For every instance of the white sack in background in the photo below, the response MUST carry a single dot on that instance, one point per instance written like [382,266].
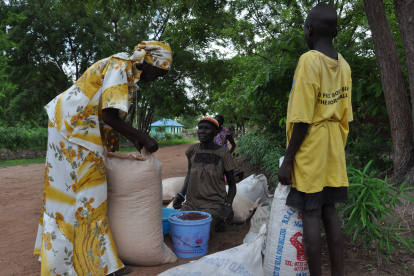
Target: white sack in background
[254,187]
[171,187]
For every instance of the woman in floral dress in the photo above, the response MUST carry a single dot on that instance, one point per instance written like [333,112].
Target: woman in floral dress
[74,237]
[224,135]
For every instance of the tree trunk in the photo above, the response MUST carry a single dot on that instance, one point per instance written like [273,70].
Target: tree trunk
[405,16]
[115,20]
[393,85]
[131,113]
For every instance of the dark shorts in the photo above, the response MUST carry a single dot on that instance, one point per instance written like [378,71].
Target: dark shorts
[304,201]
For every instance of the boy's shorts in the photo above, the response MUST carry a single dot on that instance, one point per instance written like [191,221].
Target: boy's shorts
[328,195]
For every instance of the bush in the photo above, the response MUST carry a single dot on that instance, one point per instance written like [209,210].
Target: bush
[168,136]
[368,213]
[178,136]
[264,150]
[157,136]
[22,138]
[365,144]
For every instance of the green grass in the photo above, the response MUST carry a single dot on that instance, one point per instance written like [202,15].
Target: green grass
[23,162]
[161,144]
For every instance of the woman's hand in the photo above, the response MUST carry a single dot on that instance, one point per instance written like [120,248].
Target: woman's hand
[178,202]
[228,214]
[150,144]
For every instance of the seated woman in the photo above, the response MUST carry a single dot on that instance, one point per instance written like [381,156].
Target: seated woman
[204,186]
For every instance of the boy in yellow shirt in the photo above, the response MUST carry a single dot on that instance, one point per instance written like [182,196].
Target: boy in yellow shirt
[319,111]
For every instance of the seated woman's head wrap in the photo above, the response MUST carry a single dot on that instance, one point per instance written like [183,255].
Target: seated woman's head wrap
[155,53]
[210,121]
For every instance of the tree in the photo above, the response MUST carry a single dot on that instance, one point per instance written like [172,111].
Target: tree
[6,44]
[405,16]
[394,89]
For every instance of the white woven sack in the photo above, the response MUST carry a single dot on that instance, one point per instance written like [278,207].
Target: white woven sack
[244,259]
[171,187]
[135,209]
[260,217]
[254,187]
[285,251]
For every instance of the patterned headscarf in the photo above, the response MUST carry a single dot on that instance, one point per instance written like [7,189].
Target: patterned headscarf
[155,53]
[209,120]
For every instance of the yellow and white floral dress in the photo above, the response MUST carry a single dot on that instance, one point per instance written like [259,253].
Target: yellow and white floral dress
[74,237]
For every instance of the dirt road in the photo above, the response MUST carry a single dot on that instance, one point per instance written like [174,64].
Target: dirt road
[20,201]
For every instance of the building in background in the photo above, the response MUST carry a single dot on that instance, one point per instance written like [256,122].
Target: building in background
[166,125]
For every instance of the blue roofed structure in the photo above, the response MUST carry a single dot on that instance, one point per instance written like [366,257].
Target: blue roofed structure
[170,126]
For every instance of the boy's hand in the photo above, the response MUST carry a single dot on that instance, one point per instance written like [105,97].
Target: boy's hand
[285,172]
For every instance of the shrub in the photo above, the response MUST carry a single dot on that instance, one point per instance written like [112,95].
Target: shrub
[22,138]
[368,213]
[157,136]
[168,136]
[365,144]
[178,136]
[264,150]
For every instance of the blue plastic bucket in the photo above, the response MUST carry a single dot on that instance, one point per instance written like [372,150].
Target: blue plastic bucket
[166,226]
[190,237]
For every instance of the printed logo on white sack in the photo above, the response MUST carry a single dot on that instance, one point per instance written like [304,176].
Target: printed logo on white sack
[285,251]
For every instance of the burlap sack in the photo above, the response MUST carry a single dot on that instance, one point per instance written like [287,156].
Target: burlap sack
[243,208]
[135,208]
[171,187]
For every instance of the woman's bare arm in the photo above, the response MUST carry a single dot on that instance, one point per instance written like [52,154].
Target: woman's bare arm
[137,137]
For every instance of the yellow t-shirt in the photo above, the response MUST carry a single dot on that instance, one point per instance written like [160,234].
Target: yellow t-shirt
[321,97]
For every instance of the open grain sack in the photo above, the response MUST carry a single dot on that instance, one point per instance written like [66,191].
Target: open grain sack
[135,209]
[171,187]
[254,187]
[260,217]
[243,208]
[244,259]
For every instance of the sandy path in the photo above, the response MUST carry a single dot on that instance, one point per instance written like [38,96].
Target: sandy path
[20,200]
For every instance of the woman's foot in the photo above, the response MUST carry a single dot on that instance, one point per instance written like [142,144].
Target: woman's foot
[122,271]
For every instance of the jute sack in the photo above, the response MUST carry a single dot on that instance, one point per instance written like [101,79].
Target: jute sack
[285,251]
[135,209]
[243,208]
[171,187]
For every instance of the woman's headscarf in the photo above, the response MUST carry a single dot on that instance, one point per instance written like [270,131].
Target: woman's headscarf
[209,120]
[155,53]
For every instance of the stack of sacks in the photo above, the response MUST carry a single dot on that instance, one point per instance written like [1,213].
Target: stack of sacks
[135,210]
[259,218]
[254,187]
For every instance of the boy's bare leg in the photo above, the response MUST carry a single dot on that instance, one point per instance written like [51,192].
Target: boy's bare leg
[334,237]
[312,240]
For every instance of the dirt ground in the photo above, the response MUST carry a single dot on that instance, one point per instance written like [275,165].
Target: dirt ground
[20,201]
